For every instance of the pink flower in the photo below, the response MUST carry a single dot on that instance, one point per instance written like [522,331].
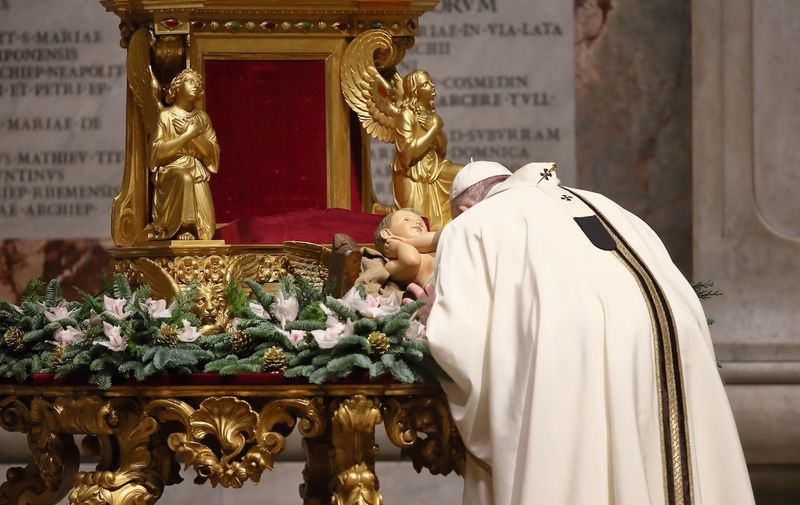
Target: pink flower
[115,307]
[294,336]
[65,337]
[286,308]
[116,342]
[59,312]
[334,331]
[157,309]
[189,333]
[258,310]
[416,331]
[371,306]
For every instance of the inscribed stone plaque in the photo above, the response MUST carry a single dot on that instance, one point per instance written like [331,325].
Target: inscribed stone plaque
[505,83]
[62,97]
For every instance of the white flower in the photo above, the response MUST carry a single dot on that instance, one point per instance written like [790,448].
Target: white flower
[334,331]
[286,308]
[116,307]
[258,310]
[65,337]
[157,309]
[416,331]
[371,306]
[15,307]
[59,312]
[189,333]
[116,342]
[295,336]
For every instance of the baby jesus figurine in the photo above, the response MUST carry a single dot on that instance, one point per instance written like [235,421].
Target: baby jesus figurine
[403,237]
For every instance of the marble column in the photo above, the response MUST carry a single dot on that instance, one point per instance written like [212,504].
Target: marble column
[746,219]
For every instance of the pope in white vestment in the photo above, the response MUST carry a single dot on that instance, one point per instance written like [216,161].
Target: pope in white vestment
[582,365]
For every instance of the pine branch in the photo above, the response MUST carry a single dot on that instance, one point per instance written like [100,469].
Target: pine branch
[33,290]
[351,344]
[365,326]
[306,325]
[705,290]
[122,289]
[53,293]
[265,299]
[340,309]
[319,376]
[345,365]
[299,371]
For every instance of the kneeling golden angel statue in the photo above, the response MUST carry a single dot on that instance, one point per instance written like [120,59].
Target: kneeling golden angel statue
[403,113]
[183,152]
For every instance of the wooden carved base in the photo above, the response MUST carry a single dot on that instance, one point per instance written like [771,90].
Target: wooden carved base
[227,437]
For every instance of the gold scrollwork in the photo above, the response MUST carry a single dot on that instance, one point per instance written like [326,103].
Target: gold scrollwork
[441,451]
[357,485]
[210,273]
[137,477]
[246,440]
[48,477]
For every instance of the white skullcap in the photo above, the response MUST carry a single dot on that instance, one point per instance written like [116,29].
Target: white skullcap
[473,173]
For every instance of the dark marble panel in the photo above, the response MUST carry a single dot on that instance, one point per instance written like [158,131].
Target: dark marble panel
[633,111]
[76,263]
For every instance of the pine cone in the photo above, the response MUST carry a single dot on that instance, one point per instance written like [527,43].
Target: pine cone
[13,339]
[167,335]
[274,360]
[379,342]
[57,358]
[241,342]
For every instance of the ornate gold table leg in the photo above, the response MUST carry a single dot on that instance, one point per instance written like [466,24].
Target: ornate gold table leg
[441,450]
[136,477]
[48,478]
[353,441]
[227,442]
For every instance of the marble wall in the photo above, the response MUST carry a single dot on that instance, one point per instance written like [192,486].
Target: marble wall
[633,111]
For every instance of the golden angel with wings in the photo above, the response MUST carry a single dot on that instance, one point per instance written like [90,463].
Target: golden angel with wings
[404,114]
[183,149]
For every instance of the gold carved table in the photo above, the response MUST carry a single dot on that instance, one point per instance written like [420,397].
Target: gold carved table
[228,433]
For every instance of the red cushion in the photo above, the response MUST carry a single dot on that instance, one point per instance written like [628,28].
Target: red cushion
[311,225]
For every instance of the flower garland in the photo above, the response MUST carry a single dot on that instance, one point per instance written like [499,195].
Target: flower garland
[125,334]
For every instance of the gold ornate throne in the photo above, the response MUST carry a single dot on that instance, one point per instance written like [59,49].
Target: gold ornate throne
[289,144]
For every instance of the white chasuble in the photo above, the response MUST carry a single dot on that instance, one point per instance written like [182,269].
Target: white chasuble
[582,365]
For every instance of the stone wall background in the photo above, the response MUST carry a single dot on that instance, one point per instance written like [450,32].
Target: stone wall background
[633,87]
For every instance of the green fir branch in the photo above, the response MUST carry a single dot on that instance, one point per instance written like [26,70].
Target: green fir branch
[265,299]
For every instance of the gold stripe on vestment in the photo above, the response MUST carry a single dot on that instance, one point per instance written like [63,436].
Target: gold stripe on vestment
[676,455]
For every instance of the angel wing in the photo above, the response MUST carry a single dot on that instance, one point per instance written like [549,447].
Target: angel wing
[161,284]
[141,81]
[365,90]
